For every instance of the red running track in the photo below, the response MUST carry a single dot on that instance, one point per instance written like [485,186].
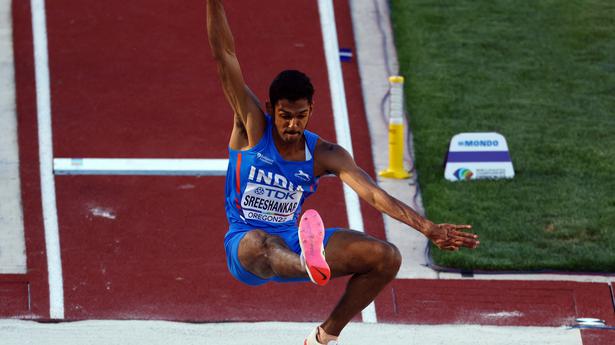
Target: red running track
[136,80]
[129,81]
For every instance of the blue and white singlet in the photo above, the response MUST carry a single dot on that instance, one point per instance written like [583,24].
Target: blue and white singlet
[264,191]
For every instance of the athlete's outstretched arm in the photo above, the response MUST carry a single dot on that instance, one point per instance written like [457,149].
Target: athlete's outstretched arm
[333,158]
[249,121]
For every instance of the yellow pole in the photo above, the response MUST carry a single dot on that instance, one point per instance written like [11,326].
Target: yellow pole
[396,131]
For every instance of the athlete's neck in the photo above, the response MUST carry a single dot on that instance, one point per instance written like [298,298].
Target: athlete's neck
[290,150]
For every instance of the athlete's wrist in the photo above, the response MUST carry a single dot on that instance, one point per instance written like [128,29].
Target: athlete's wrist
[428,228]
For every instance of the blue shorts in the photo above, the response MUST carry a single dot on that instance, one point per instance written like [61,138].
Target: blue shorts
[290,237]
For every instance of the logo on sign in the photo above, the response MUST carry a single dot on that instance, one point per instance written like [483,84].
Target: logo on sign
[463,174]
[478,155]
[479,143]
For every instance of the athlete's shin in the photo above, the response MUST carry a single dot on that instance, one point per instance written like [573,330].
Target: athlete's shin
[380,265]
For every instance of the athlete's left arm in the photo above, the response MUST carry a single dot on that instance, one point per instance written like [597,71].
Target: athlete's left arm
[334,159]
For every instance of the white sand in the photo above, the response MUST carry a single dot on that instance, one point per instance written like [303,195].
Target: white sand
[17,332]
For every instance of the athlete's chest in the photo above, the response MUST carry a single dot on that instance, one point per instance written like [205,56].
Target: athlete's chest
[272,191]
[266,169]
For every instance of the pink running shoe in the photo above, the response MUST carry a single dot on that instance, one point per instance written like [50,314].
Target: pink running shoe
[311,236]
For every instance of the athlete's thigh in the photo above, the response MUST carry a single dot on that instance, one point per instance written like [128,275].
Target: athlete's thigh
[252,252]
[350,252]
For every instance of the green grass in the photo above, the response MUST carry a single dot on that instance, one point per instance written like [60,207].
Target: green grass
[542,73]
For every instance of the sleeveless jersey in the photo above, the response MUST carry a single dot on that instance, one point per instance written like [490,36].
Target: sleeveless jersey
[265,191]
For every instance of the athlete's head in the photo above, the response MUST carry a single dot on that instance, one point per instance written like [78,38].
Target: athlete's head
[292,85]
[290,103]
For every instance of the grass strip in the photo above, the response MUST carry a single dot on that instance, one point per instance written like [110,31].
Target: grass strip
[542,73]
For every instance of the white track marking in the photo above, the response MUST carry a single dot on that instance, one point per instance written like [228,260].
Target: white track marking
[48,191]
[140,166]
[103,212]
[340,116]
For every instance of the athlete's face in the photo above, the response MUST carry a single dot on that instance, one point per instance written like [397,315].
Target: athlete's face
[291,118]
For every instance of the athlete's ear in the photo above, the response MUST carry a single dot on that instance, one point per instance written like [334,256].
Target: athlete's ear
[269,107]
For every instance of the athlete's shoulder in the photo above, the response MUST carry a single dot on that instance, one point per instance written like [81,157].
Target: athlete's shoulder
[328,156]
[327,148]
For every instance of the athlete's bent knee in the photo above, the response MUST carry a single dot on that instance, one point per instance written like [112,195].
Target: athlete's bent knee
[253,253]
[387,259]
[395,258]
[254,242]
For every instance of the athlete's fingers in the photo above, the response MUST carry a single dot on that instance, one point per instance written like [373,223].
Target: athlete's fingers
[456,226]
[467,241]
[456,239]
[442,244]
[450,242]
[459,241]
[470,243]
[463,234]
[464,226]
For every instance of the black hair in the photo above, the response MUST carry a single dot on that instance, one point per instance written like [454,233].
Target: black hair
[292,85]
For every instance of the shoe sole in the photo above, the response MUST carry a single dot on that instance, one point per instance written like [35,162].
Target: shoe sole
[311,236]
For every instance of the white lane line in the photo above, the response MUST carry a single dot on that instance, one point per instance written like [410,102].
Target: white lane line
[340,115]
[140,166]
[48,191]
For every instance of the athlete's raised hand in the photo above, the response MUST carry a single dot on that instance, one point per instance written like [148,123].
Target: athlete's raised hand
[249,119]
[452,236]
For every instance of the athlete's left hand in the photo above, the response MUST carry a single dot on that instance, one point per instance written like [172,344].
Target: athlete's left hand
[452,236]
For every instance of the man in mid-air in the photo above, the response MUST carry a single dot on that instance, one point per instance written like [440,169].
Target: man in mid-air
[274,165]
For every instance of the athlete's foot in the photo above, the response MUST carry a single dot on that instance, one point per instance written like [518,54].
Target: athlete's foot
[311,236]
[316,336]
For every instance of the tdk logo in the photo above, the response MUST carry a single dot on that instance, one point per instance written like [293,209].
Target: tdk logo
[478,143]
